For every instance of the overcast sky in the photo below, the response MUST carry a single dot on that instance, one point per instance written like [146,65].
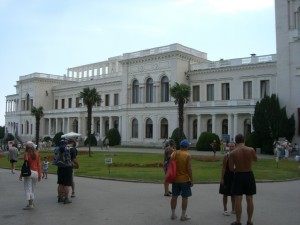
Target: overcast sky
[48,36]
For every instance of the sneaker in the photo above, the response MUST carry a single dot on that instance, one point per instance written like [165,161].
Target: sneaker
[225,213]
[67,201]
[28,207]
[173,217]
[73,195]
[184,218]
[60,199]
[236,223]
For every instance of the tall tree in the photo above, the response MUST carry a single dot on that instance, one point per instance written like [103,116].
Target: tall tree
[38,113]
[90,98]
[181,94]
[270,122]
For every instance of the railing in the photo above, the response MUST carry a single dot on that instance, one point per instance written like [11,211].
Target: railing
[235,62]
[167,48]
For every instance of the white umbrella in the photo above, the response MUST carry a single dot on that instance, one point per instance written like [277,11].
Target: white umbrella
[71,135]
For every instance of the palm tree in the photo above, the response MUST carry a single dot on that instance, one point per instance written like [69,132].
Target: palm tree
[90,98]
[38,113]
[181,94]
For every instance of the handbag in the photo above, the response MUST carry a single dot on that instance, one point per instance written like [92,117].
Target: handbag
[171,172]
[25,171]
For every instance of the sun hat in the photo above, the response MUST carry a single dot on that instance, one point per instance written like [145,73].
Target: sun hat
[30,144]
[185,143]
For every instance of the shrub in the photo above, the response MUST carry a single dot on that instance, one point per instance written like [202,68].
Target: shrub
[9,137]
[204,141]
[93,141]
[252,141]
[175,137]
[57,137]
[47,138]
[113,136]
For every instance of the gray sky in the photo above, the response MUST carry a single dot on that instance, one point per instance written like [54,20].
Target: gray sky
[48,36]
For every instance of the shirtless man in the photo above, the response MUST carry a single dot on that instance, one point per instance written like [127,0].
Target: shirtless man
[240,162]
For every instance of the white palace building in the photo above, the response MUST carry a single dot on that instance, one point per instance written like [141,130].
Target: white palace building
[135,86]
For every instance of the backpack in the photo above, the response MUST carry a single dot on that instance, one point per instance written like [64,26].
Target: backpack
[62,156]
[25,171]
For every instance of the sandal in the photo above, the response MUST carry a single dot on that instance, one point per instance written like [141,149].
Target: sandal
[235,223]
[167,195]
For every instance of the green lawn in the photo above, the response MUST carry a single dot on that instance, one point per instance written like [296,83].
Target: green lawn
[147,167]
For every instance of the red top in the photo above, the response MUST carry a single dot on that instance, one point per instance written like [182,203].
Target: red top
[34,163]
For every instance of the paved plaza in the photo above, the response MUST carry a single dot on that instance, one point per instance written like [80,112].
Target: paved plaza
[113,203]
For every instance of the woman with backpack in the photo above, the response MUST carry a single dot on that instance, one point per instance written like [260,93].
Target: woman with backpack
[33,158]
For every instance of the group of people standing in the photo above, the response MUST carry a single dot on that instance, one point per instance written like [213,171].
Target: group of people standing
[65,175]
[237,178]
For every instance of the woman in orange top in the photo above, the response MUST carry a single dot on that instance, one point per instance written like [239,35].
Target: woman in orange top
[30,182]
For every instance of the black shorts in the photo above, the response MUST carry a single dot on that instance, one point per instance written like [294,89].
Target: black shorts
[65,176]
[244,183]
[226,188]
[13,161]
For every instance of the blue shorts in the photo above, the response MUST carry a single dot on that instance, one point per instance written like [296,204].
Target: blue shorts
[183,189]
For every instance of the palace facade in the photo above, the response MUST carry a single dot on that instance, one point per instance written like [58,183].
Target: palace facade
[135,95]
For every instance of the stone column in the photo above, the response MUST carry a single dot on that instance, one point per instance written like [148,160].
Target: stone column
[56,124]
[235,125]
[101,127]
[110,122]
[198,125]
[213,123]
[230,126]
[251,121]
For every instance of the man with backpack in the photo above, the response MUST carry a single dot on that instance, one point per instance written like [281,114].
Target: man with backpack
[64,159]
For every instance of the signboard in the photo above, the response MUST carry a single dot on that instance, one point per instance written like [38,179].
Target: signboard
[108,161]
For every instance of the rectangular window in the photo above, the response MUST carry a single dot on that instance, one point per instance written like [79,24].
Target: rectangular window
[23,105]
[77,102]
[56,104]
[210,92]
[99,102]
[106,100]
[196,93]
[225,91]
[247,85]
[70,103]
[264,88]
[116,99]
[63,103]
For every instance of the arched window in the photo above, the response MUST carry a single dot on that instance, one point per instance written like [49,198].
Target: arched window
[75,126]
[225,126]
[247,127]
[116,124]
[135,128]
[27,102]
[149,90]
[149,128]
[135,91]
[106,124]
[27,127]
[195,135]
[164,128]
[165,89]
[98,126]
[209,125]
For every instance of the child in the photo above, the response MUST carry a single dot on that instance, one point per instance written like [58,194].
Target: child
[45,167]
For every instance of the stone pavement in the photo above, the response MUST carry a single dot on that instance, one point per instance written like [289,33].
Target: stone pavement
[108,202]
